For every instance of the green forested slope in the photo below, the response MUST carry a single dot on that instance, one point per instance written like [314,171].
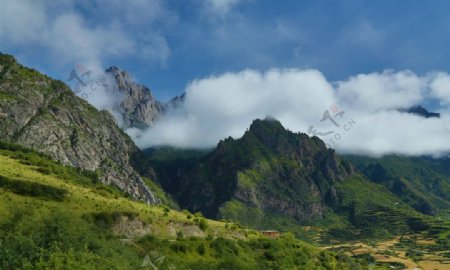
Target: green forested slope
[423,183]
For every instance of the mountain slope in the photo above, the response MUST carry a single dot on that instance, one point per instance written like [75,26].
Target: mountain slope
[44,114]
[272,176]
[54,217]
[420,182]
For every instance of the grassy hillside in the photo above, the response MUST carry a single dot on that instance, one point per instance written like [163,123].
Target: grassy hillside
[56,217]
[373,212]
[423,183]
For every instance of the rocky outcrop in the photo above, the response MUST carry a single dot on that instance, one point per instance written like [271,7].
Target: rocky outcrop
[46,115]
[138,108]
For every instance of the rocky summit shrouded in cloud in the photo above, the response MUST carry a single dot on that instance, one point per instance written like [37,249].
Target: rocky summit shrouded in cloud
[359,115]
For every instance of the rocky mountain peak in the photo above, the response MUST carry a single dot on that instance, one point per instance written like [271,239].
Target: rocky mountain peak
[139,108]
[271,133]
[268,125]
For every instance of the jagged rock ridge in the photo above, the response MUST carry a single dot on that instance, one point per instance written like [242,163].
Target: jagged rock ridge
[139,108]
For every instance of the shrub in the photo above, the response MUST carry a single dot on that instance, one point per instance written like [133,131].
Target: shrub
[201,249]
[33,189]
[107,219]
[198,215]
[179,247]
[166,211]
[203,224]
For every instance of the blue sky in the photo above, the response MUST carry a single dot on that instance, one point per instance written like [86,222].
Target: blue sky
[167,44]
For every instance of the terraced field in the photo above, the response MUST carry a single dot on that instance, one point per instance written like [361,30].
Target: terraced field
[412,252]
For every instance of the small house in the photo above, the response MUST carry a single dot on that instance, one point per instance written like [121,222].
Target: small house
[271,233]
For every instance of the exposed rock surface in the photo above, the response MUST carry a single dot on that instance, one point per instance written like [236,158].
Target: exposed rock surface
[44,114]
[131,227]
[139,108]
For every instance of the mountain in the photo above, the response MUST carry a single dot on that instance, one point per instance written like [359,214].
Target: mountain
[420,182]
[175,102]
[70,178]
[421,111]
[274,178]
[44,114]
[56,217]
[138,108]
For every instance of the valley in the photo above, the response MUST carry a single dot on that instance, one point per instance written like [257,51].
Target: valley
[76,192]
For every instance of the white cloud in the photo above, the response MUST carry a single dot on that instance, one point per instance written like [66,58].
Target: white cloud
[70,40]
[225,105]
[375,91]
[391,132]
[220,7]
[19,19]
[440,87]
[100,90]
[72,36]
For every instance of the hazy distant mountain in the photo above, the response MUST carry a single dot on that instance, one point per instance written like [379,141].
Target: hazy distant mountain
[421,111]
[175,102]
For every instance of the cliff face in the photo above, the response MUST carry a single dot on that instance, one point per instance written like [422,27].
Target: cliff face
[138,108]
[44,114]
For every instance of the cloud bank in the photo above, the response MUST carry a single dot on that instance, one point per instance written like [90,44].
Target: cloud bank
[357,115]
[87,32]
